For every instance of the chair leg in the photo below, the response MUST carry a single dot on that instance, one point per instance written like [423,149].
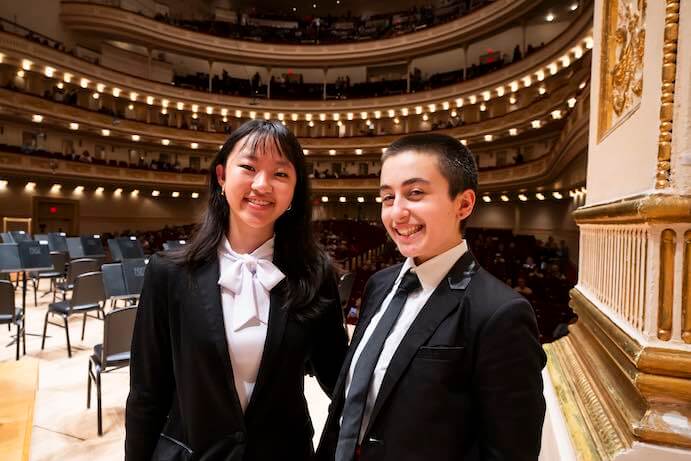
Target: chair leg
[83,325]
[98,400]
[36,282]
[88,386]
[45,325]
[19,339]
[67,335]
[24,335]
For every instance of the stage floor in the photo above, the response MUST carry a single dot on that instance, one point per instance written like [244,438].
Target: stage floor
[63,427]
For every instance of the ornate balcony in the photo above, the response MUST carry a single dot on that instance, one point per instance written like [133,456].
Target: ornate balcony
[553,57]
[568,144]
[23,105]
[116,23]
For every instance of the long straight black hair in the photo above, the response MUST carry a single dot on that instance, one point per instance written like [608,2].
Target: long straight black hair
[296,252]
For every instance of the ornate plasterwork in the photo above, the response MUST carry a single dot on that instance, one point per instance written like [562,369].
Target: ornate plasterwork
[669,72]
[621,67]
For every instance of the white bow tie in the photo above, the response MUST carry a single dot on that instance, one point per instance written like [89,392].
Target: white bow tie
[250,277]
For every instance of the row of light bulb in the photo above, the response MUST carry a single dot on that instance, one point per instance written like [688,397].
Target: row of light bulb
[555,115]
[526,81]
[524,197]
[79,190]
[343,199]
[487,198]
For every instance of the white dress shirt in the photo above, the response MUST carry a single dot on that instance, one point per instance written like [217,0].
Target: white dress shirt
[430,273]
[246,280]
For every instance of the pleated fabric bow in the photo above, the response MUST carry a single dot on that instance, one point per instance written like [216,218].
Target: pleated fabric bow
[250,277]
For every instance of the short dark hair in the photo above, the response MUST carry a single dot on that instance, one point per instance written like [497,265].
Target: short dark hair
[456,162]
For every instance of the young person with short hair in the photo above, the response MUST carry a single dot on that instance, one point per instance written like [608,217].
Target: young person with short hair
[445,362]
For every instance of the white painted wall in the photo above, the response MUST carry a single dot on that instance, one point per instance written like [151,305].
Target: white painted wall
[681,140]
[624,163]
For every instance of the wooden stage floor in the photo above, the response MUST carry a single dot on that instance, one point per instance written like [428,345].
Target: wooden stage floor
[63,427]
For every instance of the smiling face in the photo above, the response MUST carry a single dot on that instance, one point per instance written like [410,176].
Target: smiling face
[258,183]
[417,210]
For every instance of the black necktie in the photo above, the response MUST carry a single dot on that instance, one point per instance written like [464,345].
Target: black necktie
[354,406]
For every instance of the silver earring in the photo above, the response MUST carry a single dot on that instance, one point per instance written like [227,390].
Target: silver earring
[222,193]
[290,207]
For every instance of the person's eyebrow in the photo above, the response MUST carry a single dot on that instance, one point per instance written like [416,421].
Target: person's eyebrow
[407,182]
[254,157]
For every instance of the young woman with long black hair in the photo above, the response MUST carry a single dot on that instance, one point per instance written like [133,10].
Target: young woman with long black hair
[227,325]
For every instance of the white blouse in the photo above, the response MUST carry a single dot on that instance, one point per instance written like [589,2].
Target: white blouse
[246,280]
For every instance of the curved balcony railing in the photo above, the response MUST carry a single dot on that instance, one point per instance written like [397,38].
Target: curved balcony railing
[571,142]
[552,58]
[62,115]
[307,28]
[113,22]
[46,168]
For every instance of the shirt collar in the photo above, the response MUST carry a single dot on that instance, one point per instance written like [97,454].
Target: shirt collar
[432,271]
[264,251]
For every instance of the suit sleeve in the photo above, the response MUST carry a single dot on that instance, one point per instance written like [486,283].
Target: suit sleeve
[331,340]
[508,384]
[151,371]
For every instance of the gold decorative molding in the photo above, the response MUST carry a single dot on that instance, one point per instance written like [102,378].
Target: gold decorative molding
[686,291]
[669,71]
[621,64]
[667,362]
[590,424]
[613,391]
[650,208]
[668,246]
[652,360]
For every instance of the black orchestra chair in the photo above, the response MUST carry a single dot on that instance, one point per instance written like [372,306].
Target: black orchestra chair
[10,314]
[76,267]
[59,261]
[87,295]
[112,354]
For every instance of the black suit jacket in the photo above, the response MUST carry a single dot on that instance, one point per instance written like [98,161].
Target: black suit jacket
[465,382]
[183,404]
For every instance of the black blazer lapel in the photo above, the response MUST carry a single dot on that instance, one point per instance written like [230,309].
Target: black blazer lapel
[447,297]
[208,295]
[278,316]
[371,307]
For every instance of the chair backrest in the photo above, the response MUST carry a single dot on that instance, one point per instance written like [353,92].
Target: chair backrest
[88,291]
[81,266]
[7,298]
[345,286]
[133,271]
[118,328]
[59,261]
[113,280]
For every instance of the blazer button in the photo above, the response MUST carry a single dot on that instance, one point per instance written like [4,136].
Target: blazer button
[374,441]
[240,437]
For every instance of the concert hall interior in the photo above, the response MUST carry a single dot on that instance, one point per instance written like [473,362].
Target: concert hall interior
[578,114]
